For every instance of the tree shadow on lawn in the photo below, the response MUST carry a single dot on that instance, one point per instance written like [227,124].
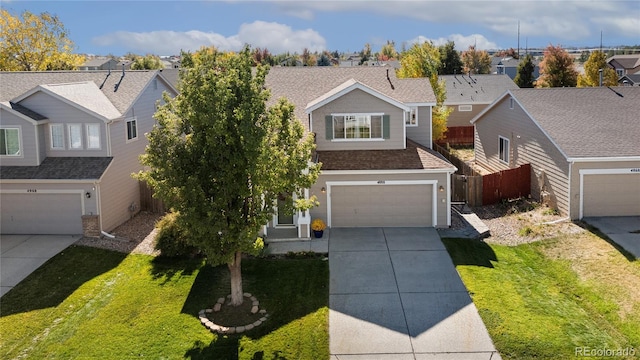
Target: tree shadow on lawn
[470,252]
[287,289]
[58,278]
[167,268]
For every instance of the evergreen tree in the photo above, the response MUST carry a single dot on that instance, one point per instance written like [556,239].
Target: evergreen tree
[524,77]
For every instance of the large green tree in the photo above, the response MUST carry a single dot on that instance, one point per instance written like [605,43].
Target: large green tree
[591,77]
[450,62]
[476,61]
[423,60]
[221,158]
[147,62]
[35,43]
[524,77]
[557,69]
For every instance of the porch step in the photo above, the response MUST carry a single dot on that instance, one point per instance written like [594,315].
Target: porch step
[479,229]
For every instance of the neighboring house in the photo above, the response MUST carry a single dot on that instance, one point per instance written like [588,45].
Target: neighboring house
[625,64]
[509,66]
[582,144]
[100,64]
[373,138]
[69,142]
[629,80]
[467,96]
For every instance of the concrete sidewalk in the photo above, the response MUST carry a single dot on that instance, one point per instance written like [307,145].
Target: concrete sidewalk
[395,294]
[20,255]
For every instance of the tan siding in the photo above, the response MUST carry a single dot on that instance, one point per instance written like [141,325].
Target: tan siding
[421,133]
[630,198]
[29,151]
[359,101]
[528,144]
[463,118]
[119,189]
[321,210]
[59,112]
[42,145]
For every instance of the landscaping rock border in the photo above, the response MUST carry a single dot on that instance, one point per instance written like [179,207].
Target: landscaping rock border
[255,308]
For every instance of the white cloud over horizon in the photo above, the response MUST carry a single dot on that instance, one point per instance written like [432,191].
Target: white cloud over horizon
[276,37]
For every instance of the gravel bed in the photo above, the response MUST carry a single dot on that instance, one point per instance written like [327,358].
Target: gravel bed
[136,236]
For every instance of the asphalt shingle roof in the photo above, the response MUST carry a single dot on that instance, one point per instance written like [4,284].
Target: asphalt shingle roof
[59,168]
[414,157]
[476,89]
[26,112]
[302,85]
[587,122]
[121,90]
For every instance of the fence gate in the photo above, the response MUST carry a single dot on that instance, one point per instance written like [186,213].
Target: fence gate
[459,188]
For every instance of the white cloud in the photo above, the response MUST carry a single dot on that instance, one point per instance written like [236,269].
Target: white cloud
[278,38]
[462,42]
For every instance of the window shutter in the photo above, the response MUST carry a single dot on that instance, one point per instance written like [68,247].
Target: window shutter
[328,126]
[385,126]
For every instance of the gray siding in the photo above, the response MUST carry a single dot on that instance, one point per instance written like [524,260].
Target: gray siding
[359,101]
[28,141]
[421,133]
[463,118]
[321,210]
[42,145]
[123,190]
[528,144]
[59,112]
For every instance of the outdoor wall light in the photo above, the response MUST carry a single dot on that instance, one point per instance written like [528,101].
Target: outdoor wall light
[88,195]
[441,188]
[323,190]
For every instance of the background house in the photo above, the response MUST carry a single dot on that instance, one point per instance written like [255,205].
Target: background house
[69,142]
[509,66]
[625,64]
[629,80]
[467,96]
[582,144]
[373,137]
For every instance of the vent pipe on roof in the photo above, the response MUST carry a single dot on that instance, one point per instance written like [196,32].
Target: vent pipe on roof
[600,74]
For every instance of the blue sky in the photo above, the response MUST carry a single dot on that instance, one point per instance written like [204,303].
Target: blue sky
[166,27]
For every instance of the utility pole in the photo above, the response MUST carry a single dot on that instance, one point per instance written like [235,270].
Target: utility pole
[518,39]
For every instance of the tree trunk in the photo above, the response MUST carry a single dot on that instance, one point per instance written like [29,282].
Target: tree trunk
[236,279]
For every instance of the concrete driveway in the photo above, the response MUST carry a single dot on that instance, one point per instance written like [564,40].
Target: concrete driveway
[20,255]
[623,230]
[395,294]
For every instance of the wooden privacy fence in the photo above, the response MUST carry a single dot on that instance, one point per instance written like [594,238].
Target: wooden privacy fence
[506,184]
[467,185]
[148,202]
[458,135]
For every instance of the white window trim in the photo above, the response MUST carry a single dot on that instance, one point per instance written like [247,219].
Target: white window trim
[508,149]
[51,126]
[20,153]
[467,107]
[381,138]
[88,137]
[70,139]
[126,129]
[408,118]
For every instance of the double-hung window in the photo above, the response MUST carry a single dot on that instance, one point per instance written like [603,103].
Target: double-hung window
[75,136]
[357,126]
[93,136]
[503,149]
[132,129]
[57,136]
[10,142]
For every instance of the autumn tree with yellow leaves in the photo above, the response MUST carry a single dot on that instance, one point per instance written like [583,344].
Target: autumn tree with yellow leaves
[31,42]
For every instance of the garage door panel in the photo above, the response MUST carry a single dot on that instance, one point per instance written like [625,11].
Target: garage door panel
[41,214]
[611,195]
[381,205]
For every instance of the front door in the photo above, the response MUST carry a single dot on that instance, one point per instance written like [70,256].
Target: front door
[284,218]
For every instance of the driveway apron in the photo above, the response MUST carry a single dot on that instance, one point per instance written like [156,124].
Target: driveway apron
[395,294]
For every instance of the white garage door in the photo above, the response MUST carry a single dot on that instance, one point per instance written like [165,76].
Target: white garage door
[612,195]
[381,205]
[41,214]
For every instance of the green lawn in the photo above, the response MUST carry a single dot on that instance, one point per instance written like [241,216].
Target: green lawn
[544,300]
[90,303]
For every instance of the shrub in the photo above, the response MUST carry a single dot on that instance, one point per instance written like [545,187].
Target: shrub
[171,240]
[525,231]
